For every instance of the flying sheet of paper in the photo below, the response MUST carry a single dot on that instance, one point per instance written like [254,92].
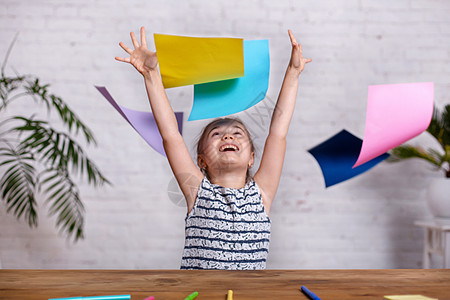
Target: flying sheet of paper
[143,122]
[408,297]
[222,98]
[395,114]
[191,60]
[337,155]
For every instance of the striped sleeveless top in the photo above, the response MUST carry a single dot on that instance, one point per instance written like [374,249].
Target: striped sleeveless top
[227,229]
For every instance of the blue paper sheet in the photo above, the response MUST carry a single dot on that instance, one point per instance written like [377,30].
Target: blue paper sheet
[222,98]
[337,155]
[143,122]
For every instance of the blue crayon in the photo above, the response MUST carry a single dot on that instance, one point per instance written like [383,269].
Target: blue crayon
[310,294]
[111,297]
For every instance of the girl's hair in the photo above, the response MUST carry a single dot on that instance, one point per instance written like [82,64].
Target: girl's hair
[222,122]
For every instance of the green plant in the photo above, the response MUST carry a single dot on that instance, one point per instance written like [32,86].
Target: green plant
[38,161]
[440,129]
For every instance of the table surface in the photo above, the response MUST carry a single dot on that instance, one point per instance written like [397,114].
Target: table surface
[433,225]
[212,284]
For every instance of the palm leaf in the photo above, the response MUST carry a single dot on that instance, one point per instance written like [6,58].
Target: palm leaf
[8,86]
[63,197]
[8,52]
[407,152]
[436,127]
[440,126]
[17,185]
[70,119]
[57,150]
[446,126]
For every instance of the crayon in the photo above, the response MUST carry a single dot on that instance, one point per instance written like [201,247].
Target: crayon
[310,294]
[191,296]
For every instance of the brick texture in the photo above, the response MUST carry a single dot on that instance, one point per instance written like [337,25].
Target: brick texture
[366,222]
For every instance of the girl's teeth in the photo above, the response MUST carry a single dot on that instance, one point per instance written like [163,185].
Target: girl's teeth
[228,147]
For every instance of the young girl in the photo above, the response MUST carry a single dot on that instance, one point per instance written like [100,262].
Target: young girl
[227,223]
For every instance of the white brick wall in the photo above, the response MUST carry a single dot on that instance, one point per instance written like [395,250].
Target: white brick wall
[366,222]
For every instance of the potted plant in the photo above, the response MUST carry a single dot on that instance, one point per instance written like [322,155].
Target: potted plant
[39,160]
[438,194]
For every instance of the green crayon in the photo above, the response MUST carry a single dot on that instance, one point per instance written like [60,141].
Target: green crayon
[192,296]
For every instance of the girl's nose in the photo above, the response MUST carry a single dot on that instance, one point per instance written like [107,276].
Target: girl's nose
[227,136]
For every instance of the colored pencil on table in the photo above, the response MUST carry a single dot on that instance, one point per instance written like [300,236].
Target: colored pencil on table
[191,296]
[310,294]
[109,297]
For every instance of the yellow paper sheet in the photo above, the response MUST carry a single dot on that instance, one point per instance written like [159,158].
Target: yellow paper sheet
[408,297]
[191,60]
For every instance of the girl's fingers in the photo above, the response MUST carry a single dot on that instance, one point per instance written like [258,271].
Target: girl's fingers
[297,58]
[143,38]
[292,37]
[135,42]
[128,50]
[127,60]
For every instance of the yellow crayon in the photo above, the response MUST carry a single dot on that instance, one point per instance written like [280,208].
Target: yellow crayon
[230,295]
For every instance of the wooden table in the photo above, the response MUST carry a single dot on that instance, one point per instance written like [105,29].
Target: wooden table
[267,284]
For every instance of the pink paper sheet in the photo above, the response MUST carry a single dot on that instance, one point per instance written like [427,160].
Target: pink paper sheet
[395,114]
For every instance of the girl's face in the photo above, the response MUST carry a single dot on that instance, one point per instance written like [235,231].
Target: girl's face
[226,146]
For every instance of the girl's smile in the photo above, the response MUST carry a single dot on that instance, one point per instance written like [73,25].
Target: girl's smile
[228,147]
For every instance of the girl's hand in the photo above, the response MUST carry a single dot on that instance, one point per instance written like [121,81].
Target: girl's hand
[297,61]
[141,58]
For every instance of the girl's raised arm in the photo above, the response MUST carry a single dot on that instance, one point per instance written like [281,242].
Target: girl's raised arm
[268,175]
[183,167]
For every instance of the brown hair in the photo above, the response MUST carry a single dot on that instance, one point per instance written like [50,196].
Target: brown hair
[221,122]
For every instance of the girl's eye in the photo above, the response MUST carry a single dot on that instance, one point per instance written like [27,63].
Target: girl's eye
[214,133]
[237,132]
